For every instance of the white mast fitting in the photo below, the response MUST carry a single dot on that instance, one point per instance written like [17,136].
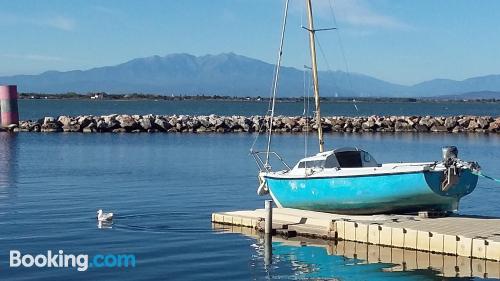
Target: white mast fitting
[312,46]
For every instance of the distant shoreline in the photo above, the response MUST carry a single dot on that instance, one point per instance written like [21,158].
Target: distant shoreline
[152,97]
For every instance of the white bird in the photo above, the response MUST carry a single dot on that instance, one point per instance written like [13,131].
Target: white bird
[104,217]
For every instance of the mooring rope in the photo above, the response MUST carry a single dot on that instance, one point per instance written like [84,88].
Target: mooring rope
[478,173]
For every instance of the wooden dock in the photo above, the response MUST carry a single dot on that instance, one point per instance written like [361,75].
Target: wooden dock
[463,236]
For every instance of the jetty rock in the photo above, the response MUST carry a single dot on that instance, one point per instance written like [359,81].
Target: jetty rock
[123,123]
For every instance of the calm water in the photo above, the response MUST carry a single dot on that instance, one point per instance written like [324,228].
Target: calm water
[35,109]
[163,188]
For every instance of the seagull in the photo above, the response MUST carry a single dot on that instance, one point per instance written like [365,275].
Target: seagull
[104,217]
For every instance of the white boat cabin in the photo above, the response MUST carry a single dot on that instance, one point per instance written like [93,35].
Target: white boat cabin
[349,161]
[346,157]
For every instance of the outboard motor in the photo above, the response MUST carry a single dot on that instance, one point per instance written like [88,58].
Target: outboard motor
[450,153]
[451,174]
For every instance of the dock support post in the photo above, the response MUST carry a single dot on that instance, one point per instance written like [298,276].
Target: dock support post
[8,105]
[269,217]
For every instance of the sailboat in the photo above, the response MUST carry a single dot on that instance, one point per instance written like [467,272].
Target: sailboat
[349,180]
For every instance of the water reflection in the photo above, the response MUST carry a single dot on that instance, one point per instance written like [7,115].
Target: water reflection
[8,169]
[104,225]
[8,163]
[268,250]
[319,259]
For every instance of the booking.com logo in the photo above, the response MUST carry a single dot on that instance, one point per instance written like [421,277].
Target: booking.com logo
[81,262]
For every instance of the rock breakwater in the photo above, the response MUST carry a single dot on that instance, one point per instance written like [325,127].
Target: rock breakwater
[225,124]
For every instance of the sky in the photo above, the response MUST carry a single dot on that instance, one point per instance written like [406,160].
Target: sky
[400,41]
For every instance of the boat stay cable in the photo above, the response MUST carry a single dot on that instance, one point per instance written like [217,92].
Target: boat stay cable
[272,92]
[307,91]
[342,51]
[305,114]
[275,83]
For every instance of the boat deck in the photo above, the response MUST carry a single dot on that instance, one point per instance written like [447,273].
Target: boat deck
[464,236]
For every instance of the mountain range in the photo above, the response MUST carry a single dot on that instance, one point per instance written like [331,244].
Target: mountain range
[229,74]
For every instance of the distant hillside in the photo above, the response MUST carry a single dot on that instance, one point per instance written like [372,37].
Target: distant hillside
[232,75]
[437,87]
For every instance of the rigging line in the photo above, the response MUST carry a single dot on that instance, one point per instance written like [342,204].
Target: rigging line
[307,99]
[308,92]
[261,127]
[271,91]
[267,112]
[304,89]
[323,55]
[275,83]
[341,45]
[305,112]
[269,104]
[305,104]
[302,14]
[256,138]
[307,87]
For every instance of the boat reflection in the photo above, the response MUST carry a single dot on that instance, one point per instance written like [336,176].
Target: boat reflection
[320,259]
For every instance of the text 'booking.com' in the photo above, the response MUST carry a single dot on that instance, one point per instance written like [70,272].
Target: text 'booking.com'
[80,262]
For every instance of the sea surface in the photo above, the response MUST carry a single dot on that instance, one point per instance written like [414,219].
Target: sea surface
[163,189]
[36,109]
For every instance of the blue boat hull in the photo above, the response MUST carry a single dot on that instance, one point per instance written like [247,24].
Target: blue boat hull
[371,194]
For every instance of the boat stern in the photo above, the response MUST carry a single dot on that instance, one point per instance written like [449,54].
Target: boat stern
[452,182]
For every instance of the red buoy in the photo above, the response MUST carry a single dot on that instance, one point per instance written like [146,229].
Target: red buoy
[8,105]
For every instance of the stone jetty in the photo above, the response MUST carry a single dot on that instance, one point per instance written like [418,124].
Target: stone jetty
[249,124]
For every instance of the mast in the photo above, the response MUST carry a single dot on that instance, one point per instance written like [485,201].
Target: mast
[312,46]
